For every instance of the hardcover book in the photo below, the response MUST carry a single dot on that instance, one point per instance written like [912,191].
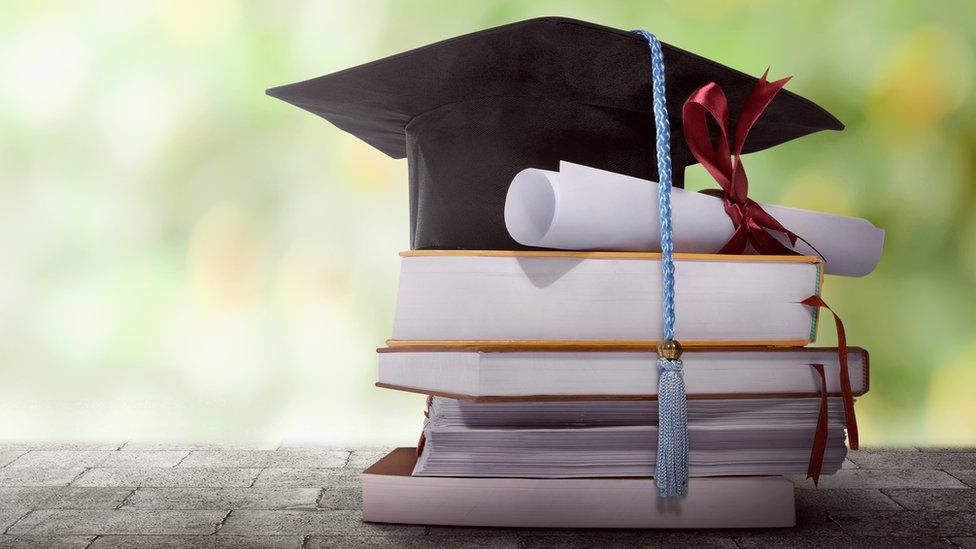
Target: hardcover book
[503,372]
[391,494]
[546,297]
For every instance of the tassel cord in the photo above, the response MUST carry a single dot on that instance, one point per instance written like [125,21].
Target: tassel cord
[671,470]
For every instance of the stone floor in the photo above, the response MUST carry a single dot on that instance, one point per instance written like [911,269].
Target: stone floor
[168,495]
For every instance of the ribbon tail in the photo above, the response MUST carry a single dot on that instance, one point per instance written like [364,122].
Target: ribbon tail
[845,380]
[762,222]
[819,446]
[772,246]
[737,242]
[671,470]
[761,95]
[765,243]
[807,242]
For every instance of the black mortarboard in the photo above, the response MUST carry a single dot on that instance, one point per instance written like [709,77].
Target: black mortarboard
[471,112]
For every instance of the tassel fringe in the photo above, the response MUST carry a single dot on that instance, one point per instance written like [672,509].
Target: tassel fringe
[672,438]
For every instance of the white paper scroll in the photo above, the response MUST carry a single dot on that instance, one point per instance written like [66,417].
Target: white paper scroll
[582,208]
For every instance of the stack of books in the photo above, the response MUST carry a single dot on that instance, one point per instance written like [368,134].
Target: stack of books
[540,364]
[541,368]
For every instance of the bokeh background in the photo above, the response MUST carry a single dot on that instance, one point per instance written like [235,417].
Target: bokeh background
[184,258]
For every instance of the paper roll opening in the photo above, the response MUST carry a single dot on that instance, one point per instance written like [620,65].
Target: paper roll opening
[530,205]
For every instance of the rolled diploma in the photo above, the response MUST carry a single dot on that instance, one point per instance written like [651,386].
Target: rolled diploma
[583,208]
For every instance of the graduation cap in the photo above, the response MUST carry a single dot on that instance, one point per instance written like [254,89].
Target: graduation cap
[471,112]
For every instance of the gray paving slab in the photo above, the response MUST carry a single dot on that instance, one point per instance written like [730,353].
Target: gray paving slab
[944,449]
[166,477]
[190,445]
[360,460]
[142,446]
[144,458]
[98,458]
[883,478]
[889,498]
[621,538]
[61,458]
[61,497]
[8,541]
[941,500]
[71,522]
[289,476]
[305,459]
[884,450]
[967,477]
[844,499]
[829,542]
[810,523]
[342,497]
[54,445]
[907,460]
[197,542]
[376,542]
[8,456]
[907,524]
[343,523]
[38,476]
[258,497]
[306,445]
[9,516]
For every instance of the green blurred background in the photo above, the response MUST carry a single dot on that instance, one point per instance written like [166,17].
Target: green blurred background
[185,258]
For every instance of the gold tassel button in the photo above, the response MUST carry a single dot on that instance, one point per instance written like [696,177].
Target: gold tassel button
[669,349]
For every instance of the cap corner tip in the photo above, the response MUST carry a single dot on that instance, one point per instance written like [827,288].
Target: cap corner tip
[275,91]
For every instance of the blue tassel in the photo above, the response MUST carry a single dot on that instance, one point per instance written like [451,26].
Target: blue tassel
[671,470]
[672,434]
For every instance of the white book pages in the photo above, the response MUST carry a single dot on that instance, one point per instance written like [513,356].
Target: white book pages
[798,413]
[615,439]
[583,208]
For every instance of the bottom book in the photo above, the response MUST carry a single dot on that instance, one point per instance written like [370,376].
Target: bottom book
[391,494]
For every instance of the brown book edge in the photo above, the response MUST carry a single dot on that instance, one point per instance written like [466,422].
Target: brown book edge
[498,345]
[578,398]
[418,346]
[608,255]
[690,396]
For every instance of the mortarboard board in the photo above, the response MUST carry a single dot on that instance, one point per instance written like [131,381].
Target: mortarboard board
[471,112]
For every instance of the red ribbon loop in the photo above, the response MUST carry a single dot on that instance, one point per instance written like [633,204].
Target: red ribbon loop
[751,222]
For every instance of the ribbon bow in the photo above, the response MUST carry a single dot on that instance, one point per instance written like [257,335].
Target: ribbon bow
[751,222]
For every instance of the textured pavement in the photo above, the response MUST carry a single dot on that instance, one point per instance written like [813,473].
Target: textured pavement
[169,495]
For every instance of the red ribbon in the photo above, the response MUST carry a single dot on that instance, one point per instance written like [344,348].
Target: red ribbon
[819,445]
[845,380]
[751,222]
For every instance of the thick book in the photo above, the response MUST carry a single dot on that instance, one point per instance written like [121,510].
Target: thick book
[549,298]
[619,438]
[498,373]
[391,494]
